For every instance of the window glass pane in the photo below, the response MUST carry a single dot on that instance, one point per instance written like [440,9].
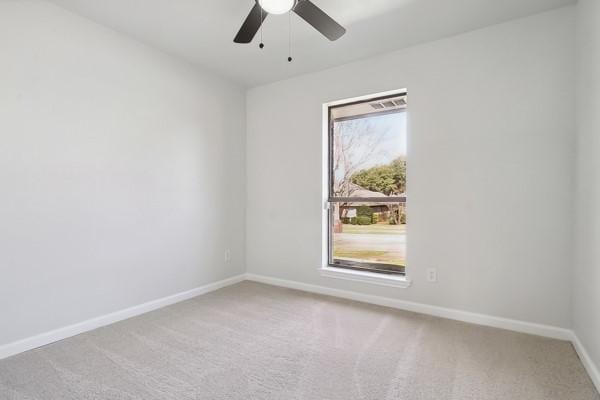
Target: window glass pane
[367,184]
[368,155]
[368,236]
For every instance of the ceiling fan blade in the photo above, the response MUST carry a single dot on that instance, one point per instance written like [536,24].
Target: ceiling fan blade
[251,25]
[319,20]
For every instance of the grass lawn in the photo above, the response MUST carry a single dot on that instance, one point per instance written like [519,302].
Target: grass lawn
[368,255]
[375,229]
[378,243]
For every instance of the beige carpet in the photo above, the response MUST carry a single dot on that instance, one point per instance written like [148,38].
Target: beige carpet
[252,341]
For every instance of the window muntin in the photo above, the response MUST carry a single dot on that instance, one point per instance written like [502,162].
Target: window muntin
[367,184]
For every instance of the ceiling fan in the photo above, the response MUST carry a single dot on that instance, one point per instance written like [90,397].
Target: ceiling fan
[307,10]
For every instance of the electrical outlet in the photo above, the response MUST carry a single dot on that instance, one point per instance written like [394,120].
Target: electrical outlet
[432,275]
[227,256]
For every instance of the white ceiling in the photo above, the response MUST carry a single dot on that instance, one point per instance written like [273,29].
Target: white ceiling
[202,31]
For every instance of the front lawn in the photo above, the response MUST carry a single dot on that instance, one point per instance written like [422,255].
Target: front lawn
[375,229]
[378,243]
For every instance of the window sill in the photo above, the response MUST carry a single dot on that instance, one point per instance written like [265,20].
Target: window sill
[367,277]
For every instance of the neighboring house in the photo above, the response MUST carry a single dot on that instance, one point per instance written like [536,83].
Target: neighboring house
[382,208]
[359,191]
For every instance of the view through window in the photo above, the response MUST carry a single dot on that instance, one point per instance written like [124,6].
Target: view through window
[367,184]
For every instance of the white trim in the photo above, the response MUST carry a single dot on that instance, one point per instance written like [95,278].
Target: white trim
[43,339]
[399,281]
[586,360]
[325,186]
[458,315]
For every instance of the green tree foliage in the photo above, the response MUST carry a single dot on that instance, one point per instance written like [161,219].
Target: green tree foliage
[389,179]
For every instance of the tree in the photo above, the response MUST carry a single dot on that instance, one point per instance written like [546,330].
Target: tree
[355,143]
[389,179]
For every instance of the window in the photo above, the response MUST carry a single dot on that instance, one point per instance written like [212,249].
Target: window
[367,184]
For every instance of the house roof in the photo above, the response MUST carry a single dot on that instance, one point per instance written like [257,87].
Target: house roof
[359,191]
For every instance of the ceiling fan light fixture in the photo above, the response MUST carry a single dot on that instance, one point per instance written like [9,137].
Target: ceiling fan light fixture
[277,6]
[305,9]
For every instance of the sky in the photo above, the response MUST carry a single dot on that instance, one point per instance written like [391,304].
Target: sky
[390,134]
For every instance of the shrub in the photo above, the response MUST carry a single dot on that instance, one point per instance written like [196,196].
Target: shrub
[364,211]
[353,221]
[403,218]
[364,220]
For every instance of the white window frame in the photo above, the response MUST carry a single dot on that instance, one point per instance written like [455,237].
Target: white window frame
[331,271]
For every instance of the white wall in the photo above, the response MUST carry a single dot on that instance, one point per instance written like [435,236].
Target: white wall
[586,288]
[121,172]
[490,168]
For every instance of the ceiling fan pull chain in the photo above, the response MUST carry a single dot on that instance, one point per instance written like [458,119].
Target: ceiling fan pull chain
[290,37]
[261,45]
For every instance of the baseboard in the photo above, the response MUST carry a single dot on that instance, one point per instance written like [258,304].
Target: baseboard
[458,315]
[91,324]
[586,360]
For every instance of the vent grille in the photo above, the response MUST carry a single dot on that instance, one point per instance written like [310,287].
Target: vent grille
[389,104]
